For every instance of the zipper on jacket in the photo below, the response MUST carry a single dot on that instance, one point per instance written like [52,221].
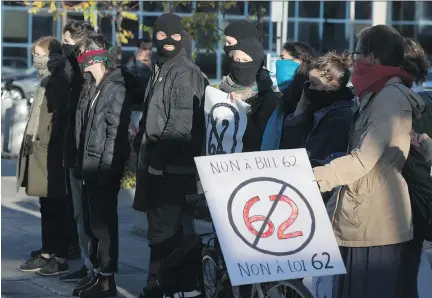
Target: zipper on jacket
[90,123]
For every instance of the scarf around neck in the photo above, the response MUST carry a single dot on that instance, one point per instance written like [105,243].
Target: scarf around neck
[371,78]
[229,86]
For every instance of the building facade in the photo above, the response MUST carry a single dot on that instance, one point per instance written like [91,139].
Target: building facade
[325,25]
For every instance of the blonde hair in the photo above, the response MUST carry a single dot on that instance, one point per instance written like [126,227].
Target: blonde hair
[48,43]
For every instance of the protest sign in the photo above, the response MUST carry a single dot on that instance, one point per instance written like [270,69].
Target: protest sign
[269,216]
[225,122]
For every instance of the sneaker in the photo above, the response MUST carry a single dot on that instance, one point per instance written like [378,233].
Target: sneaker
[34,264]
[35,253]
[74,253]
[54,267]
[76,275]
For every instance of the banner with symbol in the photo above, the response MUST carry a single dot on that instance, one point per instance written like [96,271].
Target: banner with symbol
[225,122]
[269,216]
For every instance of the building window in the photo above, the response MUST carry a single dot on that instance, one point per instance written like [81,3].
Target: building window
[14,31]
[309,33]
[207,63]
[403,10]
[329,42]
[335,9]
[363,10]
[309,9]
[425,39]
[132,26]
[18,53]
[406,30]
[263,6]
[43,26]
[153,6]
[106,28]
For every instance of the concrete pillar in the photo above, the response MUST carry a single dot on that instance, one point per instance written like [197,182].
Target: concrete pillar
[379,13]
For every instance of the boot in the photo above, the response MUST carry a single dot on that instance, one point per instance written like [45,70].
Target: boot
[104,287]
[85,283]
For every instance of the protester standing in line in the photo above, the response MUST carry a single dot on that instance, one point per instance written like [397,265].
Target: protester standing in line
[241,84]
[322,120]
[171,135]
[73,32]
[102,120]
[292,71]
[234,33]
[40,169]
[372,221]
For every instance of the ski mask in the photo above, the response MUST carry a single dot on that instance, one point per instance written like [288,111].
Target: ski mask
[285,71]
[170,24]
[240,30]
[244,73]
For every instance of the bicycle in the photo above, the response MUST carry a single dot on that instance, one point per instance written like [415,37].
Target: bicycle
[216,282]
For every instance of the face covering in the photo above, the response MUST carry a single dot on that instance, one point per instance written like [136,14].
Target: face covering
[320,99]
[285,70]
[69,50]
[45,63]
[240,30]
[92,57]
[170,24]
[371,78]
[244,73]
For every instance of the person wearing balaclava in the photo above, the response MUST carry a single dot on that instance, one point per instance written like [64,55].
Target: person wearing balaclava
[241,84]
[234,33]
[171,135]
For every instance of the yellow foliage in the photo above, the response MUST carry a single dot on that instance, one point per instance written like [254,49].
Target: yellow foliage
[123,39]
[85,5]
[129,15]
[53,7]
[38,4]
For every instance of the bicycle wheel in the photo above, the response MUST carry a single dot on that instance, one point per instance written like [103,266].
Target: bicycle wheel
[216,283]
[283,289]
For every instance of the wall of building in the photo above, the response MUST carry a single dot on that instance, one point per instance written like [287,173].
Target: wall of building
[326,25]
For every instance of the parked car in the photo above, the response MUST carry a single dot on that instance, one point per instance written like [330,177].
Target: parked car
[13,65]
[24,83]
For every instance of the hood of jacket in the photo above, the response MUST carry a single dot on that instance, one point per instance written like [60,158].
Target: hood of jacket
[115,75]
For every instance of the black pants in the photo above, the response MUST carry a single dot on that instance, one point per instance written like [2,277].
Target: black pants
[174,258]
[101,224]
[55,224]
[72,231]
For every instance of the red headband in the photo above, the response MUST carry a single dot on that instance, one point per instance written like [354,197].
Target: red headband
[81,58]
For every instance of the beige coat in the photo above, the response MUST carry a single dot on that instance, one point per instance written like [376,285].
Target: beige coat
[373,206]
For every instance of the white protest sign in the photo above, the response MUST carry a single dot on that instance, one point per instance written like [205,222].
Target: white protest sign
[225,122]
[269,216]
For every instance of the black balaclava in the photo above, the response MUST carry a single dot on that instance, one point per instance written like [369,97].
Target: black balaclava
[244,73]
[240,30]
[170,24]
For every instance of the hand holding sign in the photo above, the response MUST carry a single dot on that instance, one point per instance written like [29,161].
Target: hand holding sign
[270,202]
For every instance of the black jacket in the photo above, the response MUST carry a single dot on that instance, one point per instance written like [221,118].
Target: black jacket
[172,127]
[262,107]
[102,121]
[76,79]
[325,132]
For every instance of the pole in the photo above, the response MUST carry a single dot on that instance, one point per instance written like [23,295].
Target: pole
[284,23]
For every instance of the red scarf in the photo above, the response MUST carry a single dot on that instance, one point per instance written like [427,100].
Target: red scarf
[371,78]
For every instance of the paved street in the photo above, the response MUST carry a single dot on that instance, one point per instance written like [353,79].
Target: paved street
[21,233]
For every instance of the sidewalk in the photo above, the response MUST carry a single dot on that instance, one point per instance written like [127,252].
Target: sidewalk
[20,220]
